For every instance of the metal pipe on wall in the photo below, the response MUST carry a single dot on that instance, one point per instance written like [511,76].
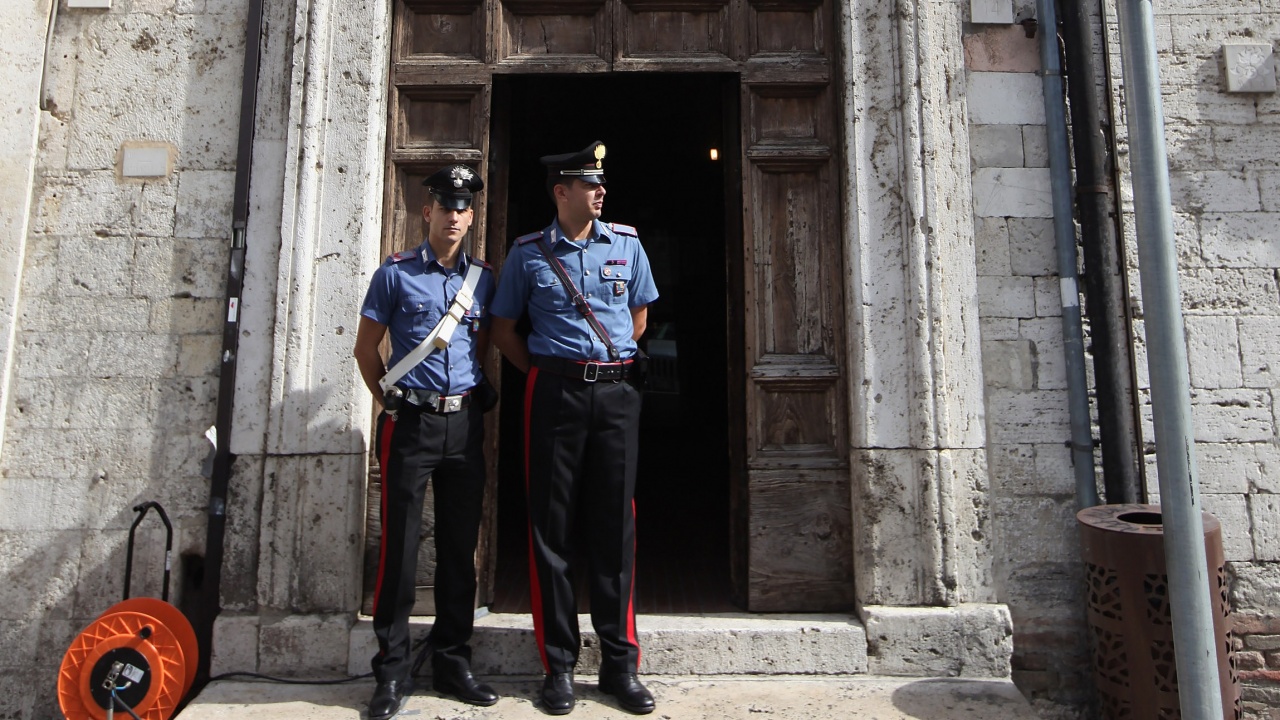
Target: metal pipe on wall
[1195,645]
[1065,233]
[1104,279]
[211,588]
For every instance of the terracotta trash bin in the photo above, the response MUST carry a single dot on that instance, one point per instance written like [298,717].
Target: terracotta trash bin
[1129,619]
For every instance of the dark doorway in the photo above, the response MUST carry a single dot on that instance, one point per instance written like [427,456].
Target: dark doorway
[660,130]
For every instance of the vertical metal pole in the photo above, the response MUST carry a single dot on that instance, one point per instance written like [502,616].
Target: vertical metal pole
[1199,694]
[1064,230]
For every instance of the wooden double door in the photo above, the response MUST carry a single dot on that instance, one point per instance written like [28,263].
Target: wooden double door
[746,246]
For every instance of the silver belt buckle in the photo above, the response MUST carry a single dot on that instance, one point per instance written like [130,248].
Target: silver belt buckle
[591,372]
[451,403]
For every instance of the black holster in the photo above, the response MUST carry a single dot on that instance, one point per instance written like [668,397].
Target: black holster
[639,374]
[485,394]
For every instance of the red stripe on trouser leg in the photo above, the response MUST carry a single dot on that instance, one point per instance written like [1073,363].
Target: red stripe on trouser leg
[535,589]
[384,457]
[631,593]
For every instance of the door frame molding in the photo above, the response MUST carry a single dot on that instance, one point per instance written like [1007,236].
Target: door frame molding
[922,522]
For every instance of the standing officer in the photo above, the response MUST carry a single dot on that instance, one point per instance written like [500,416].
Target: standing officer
[432,427]
[581,420]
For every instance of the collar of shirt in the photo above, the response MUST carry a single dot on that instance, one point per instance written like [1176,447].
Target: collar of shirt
[429,259]
[599,233]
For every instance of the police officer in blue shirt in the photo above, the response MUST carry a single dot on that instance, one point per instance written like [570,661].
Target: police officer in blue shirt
[432,427]
[581,414]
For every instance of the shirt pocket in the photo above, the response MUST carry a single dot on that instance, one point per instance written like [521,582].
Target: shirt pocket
[548,292]
[613,286]
[421,314]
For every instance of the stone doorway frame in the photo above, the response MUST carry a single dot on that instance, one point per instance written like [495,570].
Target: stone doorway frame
[922,535]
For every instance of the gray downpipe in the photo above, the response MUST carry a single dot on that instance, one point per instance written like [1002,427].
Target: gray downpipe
[1104,272]
[1195,646]
[1064,231]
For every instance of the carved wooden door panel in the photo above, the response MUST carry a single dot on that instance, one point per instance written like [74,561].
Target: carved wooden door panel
[798,521]
[790,500]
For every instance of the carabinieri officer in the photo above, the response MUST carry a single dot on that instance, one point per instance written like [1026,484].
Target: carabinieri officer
[581,421]
[432,428]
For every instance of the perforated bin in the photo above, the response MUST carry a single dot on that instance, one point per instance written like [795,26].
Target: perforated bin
[1129,618]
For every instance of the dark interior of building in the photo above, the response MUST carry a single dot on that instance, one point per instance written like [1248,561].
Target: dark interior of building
[659,131]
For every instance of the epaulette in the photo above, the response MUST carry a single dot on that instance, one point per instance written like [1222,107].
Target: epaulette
[624,229]
[402,255]
[528,238]
[479,262]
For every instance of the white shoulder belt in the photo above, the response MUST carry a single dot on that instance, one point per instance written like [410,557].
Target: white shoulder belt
[443,331]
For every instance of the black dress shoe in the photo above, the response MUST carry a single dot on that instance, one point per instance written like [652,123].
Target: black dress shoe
[463,686]
[388,698]
[557,693]
[631,695]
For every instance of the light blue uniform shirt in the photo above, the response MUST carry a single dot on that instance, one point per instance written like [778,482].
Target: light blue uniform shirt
[612,272]
[409,294]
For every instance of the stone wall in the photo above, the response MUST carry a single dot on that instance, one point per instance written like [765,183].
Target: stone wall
[1224,167]
[1224,157]
[118,327]
[1032,481]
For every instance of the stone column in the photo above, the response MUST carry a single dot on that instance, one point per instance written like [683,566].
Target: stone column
[23,59]
[922,546]
[302,412]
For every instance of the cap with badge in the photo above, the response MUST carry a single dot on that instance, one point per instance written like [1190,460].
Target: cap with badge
[453,185]
[587,164]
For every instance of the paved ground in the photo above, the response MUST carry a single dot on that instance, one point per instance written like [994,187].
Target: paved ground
[736,697]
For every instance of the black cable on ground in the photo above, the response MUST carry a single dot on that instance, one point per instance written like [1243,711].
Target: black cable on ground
[289,681]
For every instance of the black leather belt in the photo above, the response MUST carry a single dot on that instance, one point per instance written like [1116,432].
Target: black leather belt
[433,402]
[585,370]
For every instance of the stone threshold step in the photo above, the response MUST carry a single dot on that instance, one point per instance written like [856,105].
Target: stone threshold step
[777,697]
[721,644]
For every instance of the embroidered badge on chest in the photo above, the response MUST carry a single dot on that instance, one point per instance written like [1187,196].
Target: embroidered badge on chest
[619,287]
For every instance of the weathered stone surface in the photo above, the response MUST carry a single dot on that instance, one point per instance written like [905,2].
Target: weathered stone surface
[996,48]
[1240,239]
[1259,350]
[931,508]
[309,502]
[303,644]
[1215,191]
[965,641]
[1050,532]
[989,94]
[995,146]
[1213,352]
[204,204]
[1007,297]
[1036,417]
[1012,192]
[1009,364]
[1231,415]
[1264,510]
[1046,333]
[235,644]
[1032,246]
[93,204]
[1227,468]
[991,242]
[1035,146]
[1233,513]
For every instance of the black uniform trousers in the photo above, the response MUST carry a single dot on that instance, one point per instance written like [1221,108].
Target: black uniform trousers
[448,450]
[581,444]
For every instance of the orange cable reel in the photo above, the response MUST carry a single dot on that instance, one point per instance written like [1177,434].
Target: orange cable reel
[137,658]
